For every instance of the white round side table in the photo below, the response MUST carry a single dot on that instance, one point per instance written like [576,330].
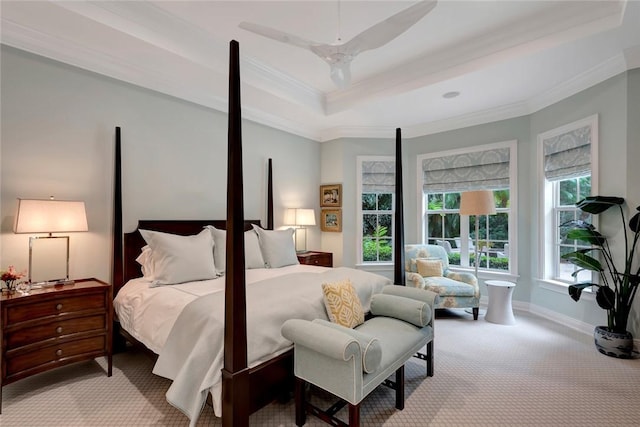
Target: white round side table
[499,308]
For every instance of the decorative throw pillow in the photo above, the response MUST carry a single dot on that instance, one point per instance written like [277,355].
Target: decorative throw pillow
[342,304]
[252,254]
[179,259]
[277,246]
[429,267]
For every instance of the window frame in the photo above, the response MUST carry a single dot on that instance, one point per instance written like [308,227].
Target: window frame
[512,145]
[360,213]
[549,258]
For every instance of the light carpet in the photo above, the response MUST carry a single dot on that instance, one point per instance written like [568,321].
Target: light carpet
[536,372]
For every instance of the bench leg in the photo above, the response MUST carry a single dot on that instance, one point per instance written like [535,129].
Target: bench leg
[354,415]
[430,358]
[476,311]
[301,413]
[400,388]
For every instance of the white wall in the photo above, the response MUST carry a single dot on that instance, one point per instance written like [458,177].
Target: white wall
[58,137]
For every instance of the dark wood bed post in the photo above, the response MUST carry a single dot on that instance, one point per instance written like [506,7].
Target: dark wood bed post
[270,195]
[398,247]
[118,262]
[235,374]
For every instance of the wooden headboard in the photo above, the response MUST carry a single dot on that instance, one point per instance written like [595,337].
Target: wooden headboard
[133,242]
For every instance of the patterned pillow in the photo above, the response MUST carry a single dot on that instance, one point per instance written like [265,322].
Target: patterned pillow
[342,304]
[429,267]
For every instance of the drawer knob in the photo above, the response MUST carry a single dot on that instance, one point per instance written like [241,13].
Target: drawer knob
[59,329]
[59,307]
[59,352]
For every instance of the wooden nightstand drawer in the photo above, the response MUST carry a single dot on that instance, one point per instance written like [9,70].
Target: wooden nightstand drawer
[57,354]
[55,306]
[49,330]
[320,259]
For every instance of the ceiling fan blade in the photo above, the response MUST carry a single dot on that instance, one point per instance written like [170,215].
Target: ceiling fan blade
[387,30]
[277,35]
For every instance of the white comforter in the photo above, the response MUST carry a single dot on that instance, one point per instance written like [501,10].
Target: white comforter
[191,353]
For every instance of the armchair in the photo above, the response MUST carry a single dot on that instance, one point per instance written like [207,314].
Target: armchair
[456,289]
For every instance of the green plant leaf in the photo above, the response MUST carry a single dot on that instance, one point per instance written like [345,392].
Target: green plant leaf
[576,290]
[605,297]
[583,260]
[587,235]
[598,204]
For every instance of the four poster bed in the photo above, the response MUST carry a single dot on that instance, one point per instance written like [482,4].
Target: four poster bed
[243,362]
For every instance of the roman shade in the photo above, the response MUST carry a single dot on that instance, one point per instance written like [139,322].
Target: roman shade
[568,155]
[476,170]
[378,176]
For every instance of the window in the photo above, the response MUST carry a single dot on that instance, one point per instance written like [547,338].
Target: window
[376,211]
[446,176]
[567,168]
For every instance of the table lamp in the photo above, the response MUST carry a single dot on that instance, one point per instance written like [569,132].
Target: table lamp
[300,219]
[50,216]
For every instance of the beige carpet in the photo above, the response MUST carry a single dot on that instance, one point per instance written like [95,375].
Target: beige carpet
[534,373]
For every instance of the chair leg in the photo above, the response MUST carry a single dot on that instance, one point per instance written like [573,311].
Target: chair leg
[354,415]
[400,388]
[301,412]
[476,311]
[430,358]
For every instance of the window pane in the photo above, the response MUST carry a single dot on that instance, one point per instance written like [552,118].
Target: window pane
[386,250]
[502,198]
[369,224]
[585,187]
[452,201]
[434,223]
[384,220]
[369,249]
[451,225]
[384,202]
[499,226]
[434,202]
[568,192]
[368,202]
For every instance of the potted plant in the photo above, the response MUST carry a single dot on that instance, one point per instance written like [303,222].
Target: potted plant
[618,281]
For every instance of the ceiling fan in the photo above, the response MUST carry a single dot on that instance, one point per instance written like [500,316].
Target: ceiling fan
[339,56]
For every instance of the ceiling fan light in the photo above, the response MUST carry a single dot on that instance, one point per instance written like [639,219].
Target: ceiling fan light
[341,75]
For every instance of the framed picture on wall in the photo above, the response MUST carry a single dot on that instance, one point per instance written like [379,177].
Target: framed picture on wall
[331,196]
[331,220]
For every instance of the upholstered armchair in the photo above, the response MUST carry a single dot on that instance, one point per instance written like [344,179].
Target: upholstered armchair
[427,267]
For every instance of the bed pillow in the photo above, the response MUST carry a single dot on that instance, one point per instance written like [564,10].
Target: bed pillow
[252,254]
[146,261]
[277,246]
[179,259]
[342,303]
[429,267]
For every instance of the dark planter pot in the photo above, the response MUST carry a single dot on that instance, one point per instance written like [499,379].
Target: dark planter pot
[613,344]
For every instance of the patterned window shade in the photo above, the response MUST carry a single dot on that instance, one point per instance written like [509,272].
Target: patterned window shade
[378,176]
[568,155]
[478,170]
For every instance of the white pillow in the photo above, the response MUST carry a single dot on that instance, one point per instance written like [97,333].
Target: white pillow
[179,259]
[252,255]
[278,248]
[146,261]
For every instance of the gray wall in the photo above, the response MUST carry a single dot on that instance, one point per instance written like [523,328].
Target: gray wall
[616,101]
[58,137]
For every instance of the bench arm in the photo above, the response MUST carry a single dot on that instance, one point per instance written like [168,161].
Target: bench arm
[419,294]
[330,342]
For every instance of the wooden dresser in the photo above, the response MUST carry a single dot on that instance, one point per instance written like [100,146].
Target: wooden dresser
[54,326]
[321,259]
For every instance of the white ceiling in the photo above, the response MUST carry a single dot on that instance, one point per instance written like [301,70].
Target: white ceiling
[506,58]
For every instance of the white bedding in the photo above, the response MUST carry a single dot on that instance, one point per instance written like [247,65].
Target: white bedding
[150,313]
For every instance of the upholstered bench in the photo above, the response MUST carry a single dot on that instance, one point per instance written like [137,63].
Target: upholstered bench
[350,363]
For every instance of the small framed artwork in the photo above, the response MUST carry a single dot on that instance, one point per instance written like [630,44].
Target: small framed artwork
[331,220]
[331,196]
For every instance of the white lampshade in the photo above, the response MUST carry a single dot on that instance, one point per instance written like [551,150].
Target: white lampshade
[50,216]
[300,217]
[479,202]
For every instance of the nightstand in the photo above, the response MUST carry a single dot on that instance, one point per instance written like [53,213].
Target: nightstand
[321,259]
[54,326]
